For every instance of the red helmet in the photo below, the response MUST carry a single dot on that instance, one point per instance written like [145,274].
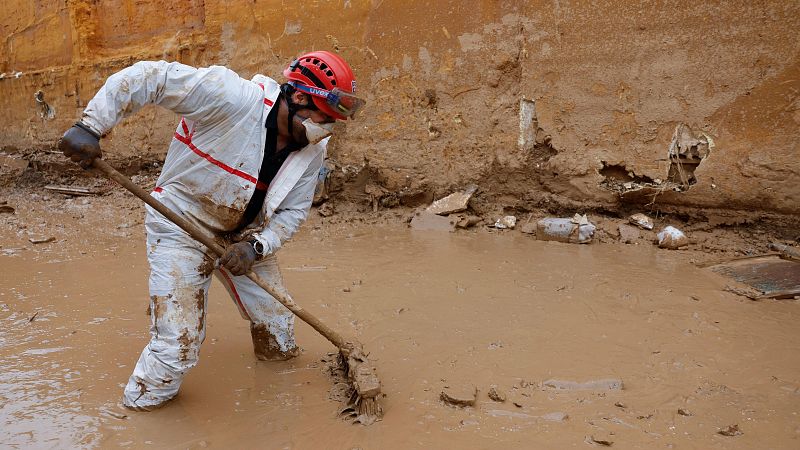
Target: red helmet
[329,80]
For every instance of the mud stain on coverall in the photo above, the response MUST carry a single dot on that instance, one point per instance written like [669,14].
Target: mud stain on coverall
[185,345]
[158,309]
[201,308]
[207,266]
[228,216]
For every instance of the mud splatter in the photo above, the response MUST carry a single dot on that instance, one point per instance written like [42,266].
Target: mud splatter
[207,266]
[200,298]
[157,309]
[185,345]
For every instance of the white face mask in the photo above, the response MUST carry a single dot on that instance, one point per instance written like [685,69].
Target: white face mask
[316,132]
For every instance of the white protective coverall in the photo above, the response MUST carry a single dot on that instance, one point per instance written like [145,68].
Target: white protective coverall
[209,176]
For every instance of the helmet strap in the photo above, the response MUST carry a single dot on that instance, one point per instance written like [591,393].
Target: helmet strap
[287,90]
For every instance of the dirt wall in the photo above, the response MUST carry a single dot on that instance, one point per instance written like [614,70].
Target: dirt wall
[532,100]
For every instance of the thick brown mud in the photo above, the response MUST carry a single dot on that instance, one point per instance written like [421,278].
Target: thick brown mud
[437,311]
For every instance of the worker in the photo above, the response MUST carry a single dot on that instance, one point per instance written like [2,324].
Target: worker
[243,166]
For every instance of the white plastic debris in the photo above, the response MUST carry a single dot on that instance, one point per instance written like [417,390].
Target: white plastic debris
[506,222]
[641,221]
[672,238]
[576,230]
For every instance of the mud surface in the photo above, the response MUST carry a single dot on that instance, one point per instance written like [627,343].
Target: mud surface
[436,310]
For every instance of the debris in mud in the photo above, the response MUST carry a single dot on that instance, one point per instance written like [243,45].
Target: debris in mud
[528,227]
[507,222]
[376,193]
[672,238]
[497,395]
[326,210]
[33,317]
[768,276]
[6,208]
[786,251]
[462,397]
[604,441]
[16,166]
[73,190]
[453,203]
[685,412]
[115,414]
[750,293]
[731,430]
[556,416]
[608,384]
[641,221]
[575,230]
[469,221]
[41,240]
[426,221]
[686,150]
[628,234]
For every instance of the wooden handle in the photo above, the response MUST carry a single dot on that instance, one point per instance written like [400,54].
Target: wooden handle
[208,240]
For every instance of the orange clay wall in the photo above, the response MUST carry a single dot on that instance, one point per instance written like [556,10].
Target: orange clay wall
[520,97]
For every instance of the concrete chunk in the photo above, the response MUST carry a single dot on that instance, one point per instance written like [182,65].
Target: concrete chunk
[455,202]
[460,397]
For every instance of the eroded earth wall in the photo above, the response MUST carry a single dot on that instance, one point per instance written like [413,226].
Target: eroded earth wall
[573,100]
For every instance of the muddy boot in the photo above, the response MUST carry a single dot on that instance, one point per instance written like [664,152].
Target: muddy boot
[266,347]
[147,408]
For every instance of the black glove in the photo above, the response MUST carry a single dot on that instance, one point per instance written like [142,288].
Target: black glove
[81,145]
[239,258]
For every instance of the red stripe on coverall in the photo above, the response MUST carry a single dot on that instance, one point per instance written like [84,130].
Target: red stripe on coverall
[221,165]
[235,294]
[267,101]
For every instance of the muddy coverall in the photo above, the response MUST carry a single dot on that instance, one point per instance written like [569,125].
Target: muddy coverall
[209,176]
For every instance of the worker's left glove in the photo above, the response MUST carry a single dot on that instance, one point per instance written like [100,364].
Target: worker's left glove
[239,258]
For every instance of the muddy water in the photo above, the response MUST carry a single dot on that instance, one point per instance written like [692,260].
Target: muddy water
[436,310]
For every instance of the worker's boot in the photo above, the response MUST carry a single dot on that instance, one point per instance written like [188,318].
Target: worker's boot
[266,347]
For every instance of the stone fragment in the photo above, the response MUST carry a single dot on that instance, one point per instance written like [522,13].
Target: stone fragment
[641,221]
[685,412]
[326,209]
[628,234]
[731,430]
[468,221]
[528,228]
[459,397]
[497,395]
[604,441]
[608,384]
[508,222]
[455,202]
[41,240]
[672,238]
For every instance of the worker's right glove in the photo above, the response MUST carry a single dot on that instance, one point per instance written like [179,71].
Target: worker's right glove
[81,145]
[239,258]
